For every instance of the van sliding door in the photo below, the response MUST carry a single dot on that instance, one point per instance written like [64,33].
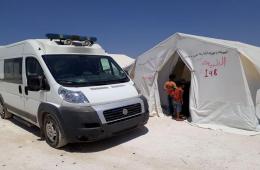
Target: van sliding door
[13,83]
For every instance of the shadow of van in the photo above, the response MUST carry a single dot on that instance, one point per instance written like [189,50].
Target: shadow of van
[106,143]
[89,147]
[26,126]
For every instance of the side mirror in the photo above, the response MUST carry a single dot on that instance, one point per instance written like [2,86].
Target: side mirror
[35,83]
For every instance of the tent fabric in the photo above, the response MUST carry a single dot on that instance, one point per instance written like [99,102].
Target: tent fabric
[224,76]
[123,61]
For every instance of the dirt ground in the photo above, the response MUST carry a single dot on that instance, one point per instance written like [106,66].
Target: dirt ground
[162,144]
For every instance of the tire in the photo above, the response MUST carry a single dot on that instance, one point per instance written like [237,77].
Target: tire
[53,132]
[3,111]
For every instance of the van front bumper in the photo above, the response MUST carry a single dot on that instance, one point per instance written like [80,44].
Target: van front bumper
[84,124]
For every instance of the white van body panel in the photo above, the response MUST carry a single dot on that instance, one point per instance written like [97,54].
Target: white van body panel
[12,96]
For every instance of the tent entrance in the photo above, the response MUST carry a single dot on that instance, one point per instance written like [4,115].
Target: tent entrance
[175,66]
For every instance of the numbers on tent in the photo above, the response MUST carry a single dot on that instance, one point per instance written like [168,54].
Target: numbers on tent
[211,72]
[212,66]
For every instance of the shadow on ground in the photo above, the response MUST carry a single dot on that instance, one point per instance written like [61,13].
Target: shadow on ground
[90,146]
[29,127]
[106,143]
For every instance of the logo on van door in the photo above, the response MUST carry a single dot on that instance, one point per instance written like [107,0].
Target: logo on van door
[125,111]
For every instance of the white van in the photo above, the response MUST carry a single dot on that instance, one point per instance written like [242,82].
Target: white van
[70,88]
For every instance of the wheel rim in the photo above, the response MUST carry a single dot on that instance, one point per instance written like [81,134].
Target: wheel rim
[2,111]
[51,131]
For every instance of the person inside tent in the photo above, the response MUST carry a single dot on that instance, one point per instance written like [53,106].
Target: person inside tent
[177,96]
[169,87]
[186,97]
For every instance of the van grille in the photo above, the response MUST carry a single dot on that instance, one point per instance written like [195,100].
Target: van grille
[117,113]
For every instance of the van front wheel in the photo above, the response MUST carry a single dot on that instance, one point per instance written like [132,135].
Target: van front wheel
[52,132]
[3,112]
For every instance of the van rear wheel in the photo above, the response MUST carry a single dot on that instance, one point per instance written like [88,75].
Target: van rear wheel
[52,131]
[3,111]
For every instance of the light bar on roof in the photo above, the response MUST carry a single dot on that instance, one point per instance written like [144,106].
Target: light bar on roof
[52,36]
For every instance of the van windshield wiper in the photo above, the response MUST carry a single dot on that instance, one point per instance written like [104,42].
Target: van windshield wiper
[69,82]
[94,83]
[108,82]
[72,83]
[64,81]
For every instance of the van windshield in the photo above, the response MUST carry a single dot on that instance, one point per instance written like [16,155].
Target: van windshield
[84,70]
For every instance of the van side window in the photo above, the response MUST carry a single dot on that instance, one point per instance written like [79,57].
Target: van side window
[105,65]
[110,68]
[13,70]
[33,67]
[116,71]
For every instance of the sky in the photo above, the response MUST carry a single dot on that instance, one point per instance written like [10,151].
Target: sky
[130,27]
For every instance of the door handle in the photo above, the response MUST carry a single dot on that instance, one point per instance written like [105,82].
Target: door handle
[26,90]
[20,89]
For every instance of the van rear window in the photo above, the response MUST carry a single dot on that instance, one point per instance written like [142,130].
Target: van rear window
[13,70]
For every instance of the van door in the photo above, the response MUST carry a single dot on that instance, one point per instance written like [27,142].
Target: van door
[33,98]
[12,85]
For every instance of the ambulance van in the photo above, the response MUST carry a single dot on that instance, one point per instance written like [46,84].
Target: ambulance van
[70,88]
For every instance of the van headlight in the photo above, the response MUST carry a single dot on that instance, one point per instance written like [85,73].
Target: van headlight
[72,96]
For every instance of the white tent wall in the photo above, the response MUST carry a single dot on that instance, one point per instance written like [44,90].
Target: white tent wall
[217,102]
[123,61]
[252,76]
[222,87]
[223,98]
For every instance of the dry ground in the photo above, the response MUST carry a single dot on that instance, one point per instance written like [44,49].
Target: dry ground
[162,144]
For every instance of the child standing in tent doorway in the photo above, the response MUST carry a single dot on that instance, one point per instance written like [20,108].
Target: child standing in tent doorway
[177,95]
[169,87]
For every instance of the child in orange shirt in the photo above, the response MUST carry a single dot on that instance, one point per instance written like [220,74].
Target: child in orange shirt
[169,86]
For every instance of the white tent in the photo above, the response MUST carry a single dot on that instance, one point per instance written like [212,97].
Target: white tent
[123,61]
[224,77]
